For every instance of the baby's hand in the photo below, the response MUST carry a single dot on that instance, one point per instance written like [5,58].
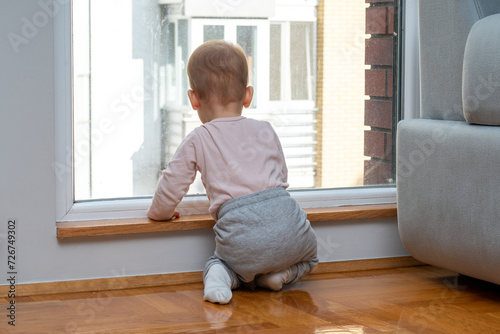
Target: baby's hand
[176,215]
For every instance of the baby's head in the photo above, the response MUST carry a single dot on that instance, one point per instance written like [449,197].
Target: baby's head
[218,72]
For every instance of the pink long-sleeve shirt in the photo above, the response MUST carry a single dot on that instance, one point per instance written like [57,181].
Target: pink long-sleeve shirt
[236,156]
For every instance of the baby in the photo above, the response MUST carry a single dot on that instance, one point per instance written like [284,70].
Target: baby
[262,236]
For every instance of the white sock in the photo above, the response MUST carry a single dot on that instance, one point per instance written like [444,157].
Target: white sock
[217,285]
[274,281]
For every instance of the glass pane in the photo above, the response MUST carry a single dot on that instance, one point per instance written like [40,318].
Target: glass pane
[327,81]
[354,88]
[300,60]
[182,57]
[171,133]
[118,128]
[275,63]
[213,32]
[246,37]
[170,63]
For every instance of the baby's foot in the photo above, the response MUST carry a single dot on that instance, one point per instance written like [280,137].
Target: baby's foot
[217,285]
[274,281]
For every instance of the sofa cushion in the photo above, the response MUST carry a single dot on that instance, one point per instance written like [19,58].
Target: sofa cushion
[481,73]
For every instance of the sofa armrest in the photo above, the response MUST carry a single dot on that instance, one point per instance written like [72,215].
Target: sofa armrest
[448,195]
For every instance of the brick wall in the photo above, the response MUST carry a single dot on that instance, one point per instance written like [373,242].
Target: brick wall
[378,88]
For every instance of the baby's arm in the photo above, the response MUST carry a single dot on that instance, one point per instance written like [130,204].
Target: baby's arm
[174,184]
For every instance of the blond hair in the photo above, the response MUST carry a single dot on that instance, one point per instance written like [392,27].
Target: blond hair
[218,70]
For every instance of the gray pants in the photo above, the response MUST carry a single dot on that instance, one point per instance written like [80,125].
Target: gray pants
[261,233]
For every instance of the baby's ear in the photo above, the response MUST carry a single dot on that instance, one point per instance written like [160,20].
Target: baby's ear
[247,100]
[193,99]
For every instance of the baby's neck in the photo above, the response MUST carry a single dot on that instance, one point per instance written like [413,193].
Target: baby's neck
[214,111]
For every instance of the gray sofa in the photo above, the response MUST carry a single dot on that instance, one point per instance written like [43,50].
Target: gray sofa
[448,161]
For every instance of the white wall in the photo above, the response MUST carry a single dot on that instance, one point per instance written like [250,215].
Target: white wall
[27,183]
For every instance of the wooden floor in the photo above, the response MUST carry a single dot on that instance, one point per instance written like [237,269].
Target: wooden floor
[421,299]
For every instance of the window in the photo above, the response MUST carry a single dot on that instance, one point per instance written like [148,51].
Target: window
[322,73]
[291,69]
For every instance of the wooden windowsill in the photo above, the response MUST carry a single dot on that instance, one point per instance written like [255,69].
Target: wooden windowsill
[144,225]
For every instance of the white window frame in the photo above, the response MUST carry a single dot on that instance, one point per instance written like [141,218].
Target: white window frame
[411,64]
[67,210]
